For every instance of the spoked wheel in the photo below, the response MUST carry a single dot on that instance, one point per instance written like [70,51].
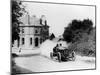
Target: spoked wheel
[51,55]
[59,56]
[73,57]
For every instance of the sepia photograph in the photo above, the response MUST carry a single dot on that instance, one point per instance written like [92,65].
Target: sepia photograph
[52,37]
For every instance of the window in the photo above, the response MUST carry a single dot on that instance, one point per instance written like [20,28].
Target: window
[23,41]
[30,41]
[22,30]
[36,31]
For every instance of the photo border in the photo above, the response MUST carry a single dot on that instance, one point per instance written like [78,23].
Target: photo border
[59,4]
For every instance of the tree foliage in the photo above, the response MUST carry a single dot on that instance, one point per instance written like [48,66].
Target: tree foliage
[52,36]
[74,30]
[16,13]
[81,35]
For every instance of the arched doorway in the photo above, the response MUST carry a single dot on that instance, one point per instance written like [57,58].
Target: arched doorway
[36,42]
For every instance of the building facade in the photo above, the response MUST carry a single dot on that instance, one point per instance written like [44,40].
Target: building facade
[33,31]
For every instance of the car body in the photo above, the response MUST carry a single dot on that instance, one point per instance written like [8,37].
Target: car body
[62,54]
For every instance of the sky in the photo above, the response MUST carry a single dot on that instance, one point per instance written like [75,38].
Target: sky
[59,16]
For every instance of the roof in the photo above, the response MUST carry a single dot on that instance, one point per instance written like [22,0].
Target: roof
[28,20]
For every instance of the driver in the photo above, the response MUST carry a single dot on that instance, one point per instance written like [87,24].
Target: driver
[55,49]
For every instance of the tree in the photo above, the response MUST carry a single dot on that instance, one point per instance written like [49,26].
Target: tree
[75,29]
[16,13]
[81,36]
[52,36]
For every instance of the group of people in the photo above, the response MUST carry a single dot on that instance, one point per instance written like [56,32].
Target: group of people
[57,47]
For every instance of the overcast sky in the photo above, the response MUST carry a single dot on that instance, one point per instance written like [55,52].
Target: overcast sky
[58,15]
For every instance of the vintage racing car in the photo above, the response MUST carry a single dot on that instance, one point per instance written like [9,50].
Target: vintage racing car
[61,53]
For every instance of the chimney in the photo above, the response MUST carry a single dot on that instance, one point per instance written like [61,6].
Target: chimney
[43,20]
[33,19]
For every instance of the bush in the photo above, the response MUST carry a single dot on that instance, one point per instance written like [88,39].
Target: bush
[83,48]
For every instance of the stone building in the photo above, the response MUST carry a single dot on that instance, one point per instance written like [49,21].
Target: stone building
[33,31]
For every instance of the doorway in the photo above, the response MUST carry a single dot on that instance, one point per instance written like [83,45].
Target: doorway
[36,42]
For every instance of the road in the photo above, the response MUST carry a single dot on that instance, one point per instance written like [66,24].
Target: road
[39,63]
[43,63]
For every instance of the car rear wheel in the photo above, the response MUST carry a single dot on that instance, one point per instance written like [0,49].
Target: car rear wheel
[59,56]
[73,56]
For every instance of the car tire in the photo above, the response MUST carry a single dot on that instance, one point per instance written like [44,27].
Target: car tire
[51,55]
[59,56]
